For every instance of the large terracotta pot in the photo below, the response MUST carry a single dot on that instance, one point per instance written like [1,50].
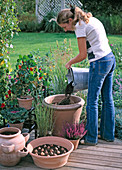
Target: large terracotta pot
[25,102]
[52,161]
[11,146]
[64,113]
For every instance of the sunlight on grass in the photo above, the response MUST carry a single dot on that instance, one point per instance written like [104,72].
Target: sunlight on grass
[24,43]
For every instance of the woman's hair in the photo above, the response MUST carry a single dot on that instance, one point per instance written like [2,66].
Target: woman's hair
[76,14]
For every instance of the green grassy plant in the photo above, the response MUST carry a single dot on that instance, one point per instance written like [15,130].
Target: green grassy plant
[44,120]
[62,55]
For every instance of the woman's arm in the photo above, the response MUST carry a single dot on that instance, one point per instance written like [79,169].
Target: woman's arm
[82,52]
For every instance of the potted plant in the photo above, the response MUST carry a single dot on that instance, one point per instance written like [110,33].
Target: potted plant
[74,132]
[48,151]
[64,113]
[44,160]
[26,80]
[15,116]
[44,120]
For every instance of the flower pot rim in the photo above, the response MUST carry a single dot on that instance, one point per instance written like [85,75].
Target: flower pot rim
[25,97]
[51,157]
[10,129]
[80,103]
[16,123]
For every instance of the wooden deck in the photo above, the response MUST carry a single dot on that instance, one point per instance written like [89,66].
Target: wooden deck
[104,156]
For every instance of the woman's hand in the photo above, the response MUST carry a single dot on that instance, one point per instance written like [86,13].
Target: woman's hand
[68,65]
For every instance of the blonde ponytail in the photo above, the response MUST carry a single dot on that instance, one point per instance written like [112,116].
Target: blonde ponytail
[77,16]
[81,15]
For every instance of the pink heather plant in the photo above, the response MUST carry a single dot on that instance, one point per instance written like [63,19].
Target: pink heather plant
[73,131]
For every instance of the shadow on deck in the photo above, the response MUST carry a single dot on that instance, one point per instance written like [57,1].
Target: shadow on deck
[104,156]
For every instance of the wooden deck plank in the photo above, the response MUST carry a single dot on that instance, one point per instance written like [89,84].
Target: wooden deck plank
[91,156]
[96,162]
[107,145]
[110,154]
[116,142]
[71,168]
[97,148]
[90,166]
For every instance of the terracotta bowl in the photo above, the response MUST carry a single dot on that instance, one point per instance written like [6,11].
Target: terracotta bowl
[52,161]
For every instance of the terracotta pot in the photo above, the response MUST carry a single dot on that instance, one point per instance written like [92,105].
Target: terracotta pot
[64,113]
[17,125]
[11,146]
[25,102]
[75,143]
[52,161]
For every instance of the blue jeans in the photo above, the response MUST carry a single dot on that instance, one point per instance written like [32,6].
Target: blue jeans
[100,80]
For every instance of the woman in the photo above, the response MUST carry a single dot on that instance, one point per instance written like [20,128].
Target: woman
[91,38]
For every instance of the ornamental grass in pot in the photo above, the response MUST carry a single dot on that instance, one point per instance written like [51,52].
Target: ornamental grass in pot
[44,120]
[74,132]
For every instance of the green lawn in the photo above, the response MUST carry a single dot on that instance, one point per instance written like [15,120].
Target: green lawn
[24,43]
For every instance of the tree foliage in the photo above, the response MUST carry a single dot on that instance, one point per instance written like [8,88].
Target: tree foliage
[98,7]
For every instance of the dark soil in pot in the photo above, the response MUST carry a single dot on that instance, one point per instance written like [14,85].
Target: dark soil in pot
[65,101]
[49,150]
[8,133]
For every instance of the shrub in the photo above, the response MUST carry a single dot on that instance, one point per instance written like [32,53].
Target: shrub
[111,23]
[117,51]
[117,90]
[118,124]
[28,23]
[14,115]
[25,6]
[48,24]
[73,131]
[8,28]
[27,76]
[103,7]
[46,63]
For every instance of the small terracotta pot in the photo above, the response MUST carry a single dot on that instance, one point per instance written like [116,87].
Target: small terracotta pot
[17,125]
[75,143]
[25,102]
[64,113]
[11,146]
[51,162]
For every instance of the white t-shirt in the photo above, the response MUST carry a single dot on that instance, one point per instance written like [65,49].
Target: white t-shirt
[97,42]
